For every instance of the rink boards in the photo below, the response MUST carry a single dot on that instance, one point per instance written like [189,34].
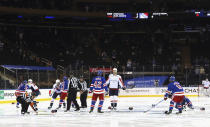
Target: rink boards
[8,96]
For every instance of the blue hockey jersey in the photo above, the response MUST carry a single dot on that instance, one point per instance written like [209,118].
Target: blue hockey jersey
[64,85]
[21,89]
[174,88]
[98,85]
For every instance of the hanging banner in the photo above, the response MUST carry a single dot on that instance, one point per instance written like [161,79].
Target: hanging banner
[106,70]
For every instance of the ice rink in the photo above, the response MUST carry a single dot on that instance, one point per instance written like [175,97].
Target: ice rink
[11,117]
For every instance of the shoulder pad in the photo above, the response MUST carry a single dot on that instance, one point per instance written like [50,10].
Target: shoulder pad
[119,76]
[110,75]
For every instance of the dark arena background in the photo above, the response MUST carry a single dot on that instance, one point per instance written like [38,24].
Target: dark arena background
[147,41]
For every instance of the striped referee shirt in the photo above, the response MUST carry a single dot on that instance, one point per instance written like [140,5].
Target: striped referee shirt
[74,83]
[84,85]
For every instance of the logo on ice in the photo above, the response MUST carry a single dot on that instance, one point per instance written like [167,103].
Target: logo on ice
[1,94]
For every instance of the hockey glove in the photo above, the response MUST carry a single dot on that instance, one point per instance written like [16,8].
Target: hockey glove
[106,93]
[81,92]
[90,91]
[28,100]
[50,93]
[170,96]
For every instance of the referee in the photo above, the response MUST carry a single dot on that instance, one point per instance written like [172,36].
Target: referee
[83,96]
[72,92]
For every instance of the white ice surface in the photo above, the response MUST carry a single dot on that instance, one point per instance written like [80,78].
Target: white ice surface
[11,117]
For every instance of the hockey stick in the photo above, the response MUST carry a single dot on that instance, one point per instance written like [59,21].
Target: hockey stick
[154,105]
[199,108]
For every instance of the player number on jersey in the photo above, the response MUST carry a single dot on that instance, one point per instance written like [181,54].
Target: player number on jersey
[177,85]
[98,84]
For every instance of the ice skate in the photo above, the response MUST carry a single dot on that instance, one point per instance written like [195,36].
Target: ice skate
[99,111]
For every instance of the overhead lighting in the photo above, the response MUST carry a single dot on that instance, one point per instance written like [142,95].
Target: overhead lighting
[49,17]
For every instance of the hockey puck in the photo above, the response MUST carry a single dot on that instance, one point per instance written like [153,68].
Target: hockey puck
[54,111]
[109,107]
[130,108]
[202,108]
[13,102]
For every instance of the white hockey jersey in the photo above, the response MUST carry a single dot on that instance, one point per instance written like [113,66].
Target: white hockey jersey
[205,84]
[114,81]
[56,88]
[33,86]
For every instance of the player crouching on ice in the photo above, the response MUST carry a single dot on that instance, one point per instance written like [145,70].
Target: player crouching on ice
[97,87]
[177,92]
[185,103]
[24,98]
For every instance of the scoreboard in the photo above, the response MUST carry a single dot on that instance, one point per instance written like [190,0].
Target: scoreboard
[135,16]
[144,15]
[154,15]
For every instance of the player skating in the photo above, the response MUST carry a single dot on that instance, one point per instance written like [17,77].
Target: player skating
[97,87]
[64,89]
[55,92]
[177,92]
[35,92]
[114,82]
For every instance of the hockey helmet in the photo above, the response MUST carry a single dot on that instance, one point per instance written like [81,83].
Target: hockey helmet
[30,80]
[25,82]
[65,78]
[57,81]
[99,72]
[172,78]
[114,69]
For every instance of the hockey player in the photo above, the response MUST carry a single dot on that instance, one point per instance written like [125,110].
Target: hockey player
[206,84]
[55,92]
[186,102]
[177,92]
[35,92]
[114,82]
[97,87]
[23,97]
[64,89]
[21,90]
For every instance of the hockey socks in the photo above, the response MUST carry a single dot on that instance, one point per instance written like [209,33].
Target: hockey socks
[100,104]
[51,104]
[115,104]
[92,105]
[113,101]
[60,103]
[112,104]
